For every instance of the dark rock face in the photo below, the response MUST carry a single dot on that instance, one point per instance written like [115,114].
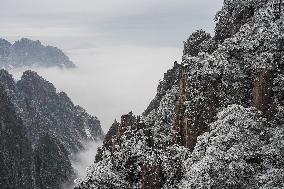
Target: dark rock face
[263,93]
[26,52]
[48,121]
[182,136]
[217,120]
[16,155]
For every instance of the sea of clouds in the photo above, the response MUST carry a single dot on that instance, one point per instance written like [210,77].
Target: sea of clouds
[109,82]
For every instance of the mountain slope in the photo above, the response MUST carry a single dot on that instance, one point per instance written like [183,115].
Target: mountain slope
[16,155]
[43,110]
[52,165]
[217,119]
[46,129]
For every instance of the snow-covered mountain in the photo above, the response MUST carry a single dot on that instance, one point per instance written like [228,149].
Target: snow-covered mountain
[26,53]
[40,130]
[217,120]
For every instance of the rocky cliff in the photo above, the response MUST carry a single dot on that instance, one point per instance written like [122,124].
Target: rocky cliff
[217,119]
[41,129]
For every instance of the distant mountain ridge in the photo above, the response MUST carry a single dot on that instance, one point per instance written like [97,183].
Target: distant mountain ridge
[27,53]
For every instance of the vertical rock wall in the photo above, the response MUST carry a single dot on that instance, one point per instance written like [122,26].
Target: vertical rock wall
[262,92]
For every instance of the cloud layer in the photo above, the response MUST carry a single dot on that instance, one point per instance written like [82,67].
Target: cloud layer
[112,81]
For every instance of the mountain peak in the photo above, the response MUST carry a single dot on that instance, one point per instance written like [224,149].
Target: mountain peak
[6,79]
[4,42]
[31,74]
[31,82]
[5,73]
[27,41]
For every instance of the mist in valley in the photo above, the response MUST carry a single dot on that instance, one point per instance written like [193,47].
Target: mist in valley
[109,82]
[84,158]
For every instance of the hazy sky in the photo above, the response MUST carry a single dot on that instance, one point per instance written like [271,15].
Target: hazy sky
[121,47]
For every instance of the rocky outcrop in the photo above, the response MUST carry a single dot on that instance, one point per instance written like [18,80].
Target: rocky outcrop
[263,93]
[26,53]
[127,121]
[181,123]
